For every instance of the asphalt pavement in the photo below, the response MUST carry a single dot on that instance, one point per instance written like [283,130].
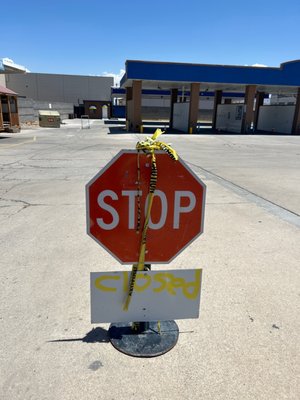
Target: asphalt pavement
[245,344]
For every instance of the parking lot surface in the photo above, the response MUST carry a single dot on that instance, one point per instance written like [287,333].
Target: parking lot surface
[245,345]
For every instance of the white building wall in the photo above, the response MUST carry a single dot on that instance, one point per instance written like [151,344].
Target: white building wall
[283,99]
[156,102]
[276,118]
[2,80]
[206,103]
[61,88]
[50,87]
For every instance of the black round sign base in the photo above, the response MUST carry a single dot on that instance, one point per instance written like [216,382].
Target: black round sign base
[144,339]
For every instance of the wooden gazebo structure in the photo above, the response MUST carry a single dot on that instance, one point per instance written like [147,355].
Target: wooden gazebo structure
[9,117]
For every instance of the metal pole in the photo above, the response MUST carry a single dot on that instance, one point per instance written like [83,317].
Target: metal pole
[144,339]
[141,327]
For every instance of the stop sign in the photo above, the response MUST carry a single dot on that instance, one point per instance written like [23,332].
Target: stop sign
[116,196]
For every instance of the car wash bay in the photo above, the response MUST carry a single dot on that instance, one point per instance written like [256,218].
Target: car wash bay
[187,82]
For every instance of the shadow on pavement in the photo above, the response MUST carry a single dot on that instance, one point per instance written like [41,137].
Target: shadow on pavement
[97,335]
[204,129]
[117,130]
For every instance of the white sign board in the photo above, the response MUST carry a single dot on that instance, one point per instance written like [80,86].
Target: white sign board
[181,116]
[158,295]
[230,117]
[276,118]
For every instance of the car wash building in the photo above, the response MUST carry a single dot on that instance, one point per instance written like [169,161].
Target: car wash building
[186,83]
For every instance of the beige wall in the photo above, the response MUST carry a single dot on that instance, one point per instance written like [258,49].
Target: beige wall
[2,80]
[62,88]
[28,109]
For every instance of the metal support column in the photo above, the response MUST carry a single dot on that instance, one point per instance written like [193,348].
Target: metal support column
[248,119]
[134,107]
[296,121]
[174,95]
[259,101]
[217,101]
[194,107]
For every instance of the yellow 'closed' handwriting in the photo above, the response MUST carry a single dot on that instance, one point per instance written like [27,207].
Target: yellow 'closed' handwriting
[170,283]
[100,286]
[158,283]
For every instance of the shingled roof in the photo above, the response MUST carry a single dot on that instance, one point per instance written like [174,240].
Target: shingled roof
[5,90]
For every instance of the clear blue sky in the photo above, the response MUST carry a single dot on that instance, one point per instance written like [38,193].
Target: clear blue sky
[93,37]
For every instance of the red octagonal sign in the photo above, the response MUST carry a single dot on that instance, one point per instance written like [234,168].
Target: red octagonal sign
[115,196]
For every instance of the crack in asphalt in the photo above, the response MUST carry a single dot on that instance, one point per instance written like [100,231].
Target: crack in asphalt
[39,166]
[16,185]
[8,164]
[5,176]
[25,203]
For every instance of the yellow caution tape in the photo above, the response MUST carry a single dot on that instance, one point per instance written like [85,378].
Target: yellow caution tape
[158,327]
[149,146]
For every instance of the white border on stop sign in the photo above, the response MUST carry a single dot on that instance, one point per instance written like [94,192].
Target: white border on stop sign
[106,167]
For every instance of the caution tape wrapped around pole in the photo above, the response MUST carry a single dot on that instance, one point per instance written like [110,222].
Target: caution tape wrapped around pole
[148,146]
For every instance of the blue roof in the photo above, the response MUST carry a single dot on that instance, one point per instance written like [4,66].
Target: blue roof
[288,74]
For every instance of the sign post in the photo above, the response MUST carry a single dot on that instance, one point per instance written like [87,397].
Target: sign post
[144,339]
[117,206]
